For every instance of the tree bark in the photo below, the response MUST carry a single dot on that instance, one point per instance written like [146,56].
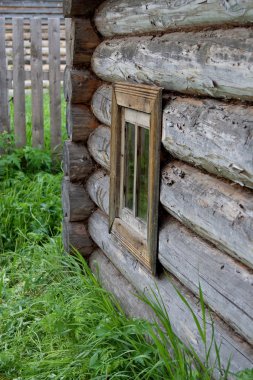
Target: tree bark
[78,164]
[147,16]
[77,8]
[79,85]
[76,237]
[226,284]
[76,203]
[215,63]
[180,316]
[83,41]
[214,135]
[80,122]
[99,146]
[217,211]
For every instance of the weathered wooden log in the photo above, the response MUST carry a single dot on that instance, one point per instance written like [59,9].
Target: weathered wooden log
[124,292]
[98,189]
[216,63]
[83,41]
[101,104]
[217,211]
[77,8]
[77,162]
[79,85]
[80,122]
[76,237]
[180,316]
[147,16]
[215,136]
[226,284]
[207,133]
[76,203]
[99,146]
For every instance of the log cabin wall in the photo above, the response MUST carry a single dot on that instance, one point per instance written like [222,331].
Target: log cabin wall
[201,53]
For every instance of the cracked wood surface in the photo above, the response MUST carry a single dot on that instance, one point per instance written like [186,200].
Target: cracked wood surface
[216,63]
[180,316]
[226,284]
[207,133]
[115,17]
[217,211]
[99,146]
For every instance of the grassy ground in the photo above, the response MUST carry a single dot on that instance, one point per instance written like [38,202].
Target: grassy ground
[56,322]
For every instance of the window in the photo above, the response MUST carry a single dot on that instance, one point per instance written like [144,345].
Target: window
[135,167]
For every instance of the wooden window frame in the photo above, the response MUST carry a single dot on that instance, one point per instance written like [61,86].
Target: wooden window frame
[147,99]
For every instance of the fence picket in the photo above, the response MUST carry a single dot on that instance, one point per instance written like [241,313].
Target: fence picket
[18,83]
[37,84]
[4,105]
[55,82]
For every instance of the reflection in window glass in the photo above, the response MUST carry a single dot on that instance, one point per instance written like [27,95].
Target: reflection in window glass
[142,189]
[129,164]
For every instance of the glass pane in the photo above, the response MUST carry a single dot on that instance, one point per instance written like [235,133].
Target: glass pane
[142,193]
[129,165]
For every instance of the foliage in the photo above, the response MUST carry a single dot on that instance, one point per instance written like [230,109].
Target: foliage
[56,321]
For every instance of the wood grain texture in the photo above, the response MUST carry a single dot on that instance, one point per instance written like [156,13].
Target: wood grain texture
[101,104]
[180,316]
[76,203]
[83,41]
[79,85]
[76,237]
[77,8]
[37,83]
[226,284]
[99,146]
[77,163]
[207,133]
[55,83]
[216,63]
[216,210]
[19,83]
[80,122]
[213,135]
[124,292]
[98,186]
[115,17]
[4,105]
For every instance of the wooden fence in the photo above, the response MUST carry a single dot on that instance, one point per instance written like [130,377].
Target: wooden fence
[32,58]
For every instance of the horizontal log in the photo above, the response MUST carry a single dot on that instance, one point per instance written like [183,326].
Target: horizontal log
[129,17]
[207,133]
[210,134]
[77,161]
[83,41]
[76,237]
[99,146]
[77,8]
[180,316]
[80,122]
[124,292]
[226,284]
[76,203]
[79,85]
[216,63]
[98,189]
[101,104]
[217,211]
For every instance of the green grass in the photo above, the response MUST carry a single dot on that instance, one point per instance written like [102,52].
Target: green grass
[56,322]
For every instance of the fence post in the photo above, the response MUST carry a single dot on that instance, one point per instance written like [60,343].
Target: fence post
[37,83]
[55,82]
[4,105]
[18,82]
